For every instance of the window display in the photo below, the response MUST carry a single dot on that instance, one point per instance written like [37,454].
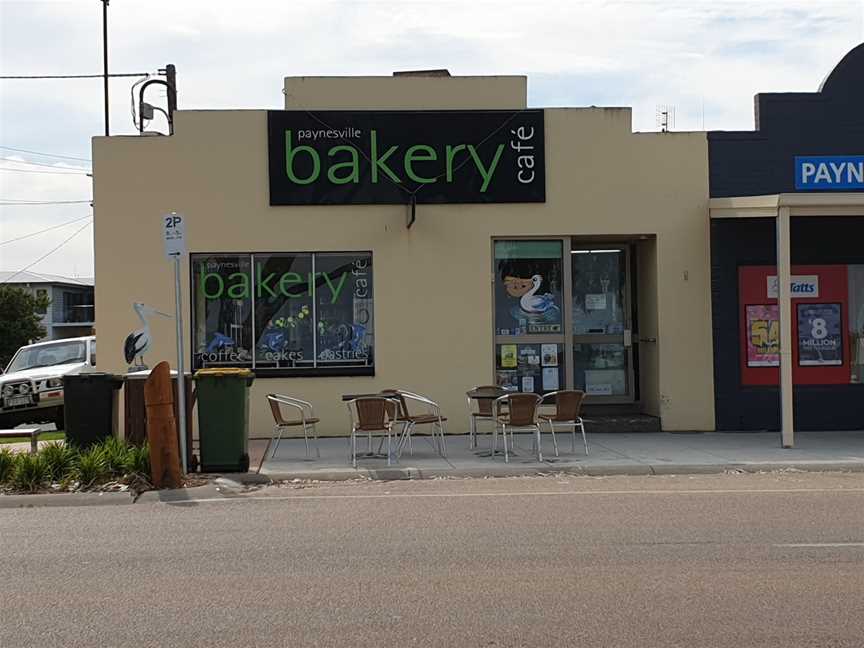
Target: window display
[222,311]
[311,311]
[528,280]
[530,368]
[344,309]
[824,341]
[284,328]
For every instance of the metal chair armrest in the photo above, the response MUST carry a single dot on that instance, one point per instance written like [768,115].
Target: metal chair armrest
[421,399]
[294,402]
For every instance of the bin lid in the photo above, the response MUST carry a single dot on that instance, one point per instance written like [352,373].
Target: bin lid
[93,376]
[224,372]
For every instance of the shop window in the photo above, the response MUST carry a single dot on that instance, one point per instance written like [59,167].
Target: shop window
[284,313]
[222,296]
[528,280]
[536,368]
[284,327]
[344,310]
[528,315]
[827,324]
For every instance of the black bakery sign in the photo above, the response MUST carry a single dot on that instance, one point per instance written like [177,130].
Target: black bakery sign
[396,157]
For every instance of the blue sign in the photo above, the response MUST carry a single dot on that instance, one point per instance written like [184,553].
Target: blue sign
[829,172]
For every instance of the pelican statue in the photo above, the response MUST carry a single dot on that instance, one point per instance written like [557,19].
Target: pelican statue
[531,303]
[138,341]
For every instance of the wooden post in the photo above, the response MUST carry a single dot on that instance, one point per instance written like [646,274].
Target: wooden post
[162,428]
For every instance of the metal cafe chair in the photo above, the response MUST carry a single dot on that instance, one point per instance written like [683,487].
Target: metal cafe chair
[371,414]
[306,420]
[521,414]
[431,417]
[568,409]
[484,411]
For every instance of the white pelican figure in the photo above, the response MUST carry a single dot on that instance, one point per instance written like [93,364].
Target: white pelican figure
[138,341]
[531,303]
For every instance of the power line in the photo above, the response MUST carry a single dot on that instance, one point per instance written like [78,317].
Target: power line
[22,203]
[47,229]
[47,254]
[71,173]
[53,155]
[40,164]
[72,76]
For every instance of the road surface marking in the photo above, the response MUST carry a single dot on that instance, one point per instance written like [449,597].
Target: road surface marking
[821,545]
[371,496]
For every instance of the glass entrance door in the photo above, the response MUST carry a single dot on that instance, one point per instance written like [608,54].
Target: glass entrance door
[601,322]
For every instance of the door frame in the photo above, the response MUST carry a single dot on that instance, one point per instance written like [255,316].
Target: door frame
[626,337]
[568,244]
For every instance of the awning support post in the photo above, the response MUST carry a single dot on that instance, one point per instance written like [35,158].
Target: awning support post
[784,306]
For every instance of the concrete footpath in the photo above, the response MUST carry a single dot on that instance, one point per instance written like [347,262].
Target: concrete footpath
[659,453]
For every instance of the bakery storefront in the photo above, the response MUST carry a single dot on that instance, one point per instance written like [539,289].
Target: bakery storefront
[787,247]
[431,233]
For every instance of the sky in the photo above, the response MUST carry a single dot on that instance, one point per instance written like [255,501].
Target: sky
[705,58]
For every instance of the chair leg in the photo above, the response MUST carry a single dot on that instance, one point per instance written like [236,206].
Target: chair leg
[584,438]
[494,441]
[573,439]
[315,436]
[389,449]
[472,443]
[264,456]
[306,439]
[278,439]
[554,440]
[442,431]
[539,448]
[354,448]
[506,454]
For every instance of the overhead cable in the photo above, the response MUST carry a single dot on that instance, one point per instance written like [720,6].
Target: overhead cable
[47,254]
[42,231]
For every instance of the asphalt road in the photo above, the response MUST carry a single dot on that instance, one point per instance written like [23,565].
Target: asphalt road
[725,560]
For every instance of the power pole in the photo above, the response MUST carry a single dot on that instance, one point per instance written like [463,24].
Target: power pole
[105,58]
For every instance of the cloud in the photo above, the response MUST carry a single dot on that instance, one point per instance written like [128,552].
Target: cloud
[707,58]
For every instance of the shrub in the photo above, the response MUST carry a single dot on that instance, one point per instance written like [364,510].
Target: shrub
[60,459]
[91,466]
[114,454]
[7,465]
[30,473]
[137,461]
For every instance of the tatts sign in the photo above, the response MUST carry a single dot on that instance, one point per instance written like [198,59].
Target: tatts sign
[394,157]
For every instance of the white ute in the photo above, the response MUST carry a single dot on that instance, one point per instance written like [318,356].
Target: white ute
[31,388]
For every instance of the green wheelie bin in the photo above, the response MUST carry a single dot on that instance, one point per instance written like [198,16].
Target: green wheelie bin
[223,418]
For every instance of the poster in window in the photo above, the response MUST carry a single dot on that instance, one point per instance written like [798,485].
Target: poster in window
[820,335]
[763,335]
[550,355]
[528,287]
[550,378]
[508,356]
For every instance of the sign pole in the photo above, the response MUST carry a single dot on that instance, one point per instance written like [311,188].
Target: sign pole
[174,233]
[181,375]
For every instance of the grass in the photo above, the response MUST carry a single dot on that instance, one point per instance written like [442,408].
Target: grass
[45,436]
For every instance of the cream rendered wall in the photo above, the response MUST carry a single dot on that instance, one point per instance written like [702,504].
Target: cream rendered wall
[405,93]
[433,296]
